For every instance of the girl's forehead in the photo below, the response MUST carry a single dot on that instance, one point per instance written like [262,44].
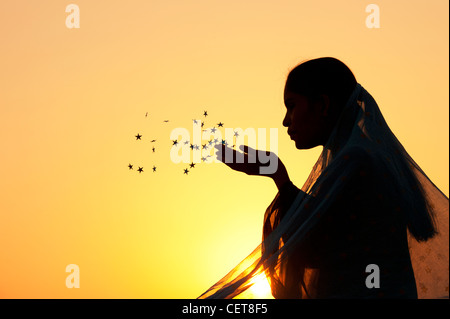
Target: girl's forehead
[291,96]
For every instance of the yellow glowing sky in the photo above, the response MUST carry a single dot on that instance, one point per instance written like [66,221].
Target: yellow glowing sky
[71,101]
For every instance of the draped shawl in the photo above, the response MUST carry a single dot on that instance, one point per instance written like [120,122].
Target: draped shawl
[360,146]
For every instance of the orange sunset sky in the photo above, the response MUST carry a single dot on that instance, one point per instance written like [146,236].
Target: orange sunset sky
[72,101]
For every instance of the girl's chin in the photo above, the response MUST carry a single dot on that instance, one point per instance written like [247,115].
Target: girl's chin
[303,146]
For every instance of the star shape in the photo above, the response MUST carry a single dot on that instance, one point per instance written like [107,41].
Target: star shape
[204,146]
[153,149]
[192,165]
[203,124]
[195,121]
[236,133]
[130,166]
[213,130]
[205,114]
[140,169]
[175,142]
[186,171]
[192,147]
[196,147]
[220,124]
[138,136]
[154,168]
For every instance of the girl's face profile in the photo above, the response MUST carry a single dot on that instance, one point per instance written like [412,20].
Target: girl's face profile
[305,122]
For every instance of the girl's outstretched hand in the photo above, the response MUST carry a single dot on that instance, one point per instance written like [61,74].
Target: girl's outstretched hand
[253,162]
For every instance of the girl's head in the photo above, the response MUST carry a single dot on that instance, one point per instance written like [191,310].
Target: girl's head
[315,94]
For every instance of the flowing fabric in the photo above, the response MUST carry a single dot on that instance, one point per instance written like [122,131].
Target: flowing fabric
[360,206]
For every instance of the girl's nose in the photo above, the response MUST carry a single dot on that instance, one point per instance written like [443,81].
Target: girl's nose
[286,121]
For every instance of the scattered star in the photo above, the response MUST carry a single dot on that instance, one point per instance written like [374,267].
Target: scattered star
[206,146]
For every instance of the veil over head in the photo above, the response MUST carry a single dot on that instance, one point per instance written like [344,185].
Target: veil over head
[361,132]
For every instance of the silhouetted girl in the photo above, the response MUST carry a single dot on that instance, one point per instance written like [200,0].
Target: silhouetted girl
[368,223]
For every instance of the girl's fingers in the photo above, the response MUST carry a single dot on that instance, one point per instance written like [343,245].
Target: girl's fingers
[222,150]
[246,148]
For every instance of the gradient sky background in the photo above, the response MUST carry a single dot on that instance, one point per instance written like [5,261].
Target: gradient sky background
[72,100]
